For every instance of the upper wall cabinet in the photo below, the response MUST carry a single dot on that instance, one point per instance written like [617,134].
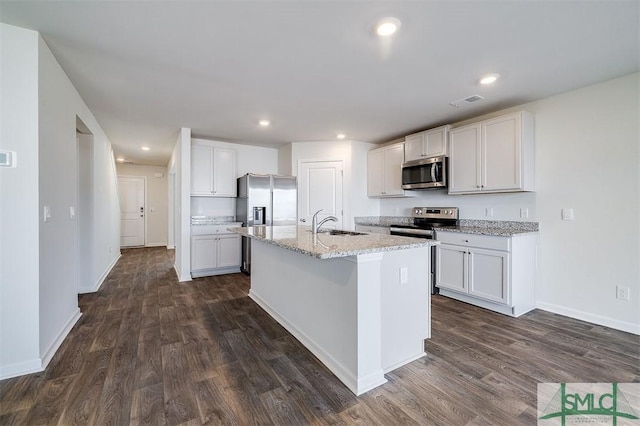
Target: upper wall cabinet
[384,171]
[430,143]
[213,170]
[495,155]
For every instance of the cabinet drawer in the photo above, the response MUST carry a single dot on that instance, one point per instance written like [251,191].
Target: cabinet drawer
[474,240]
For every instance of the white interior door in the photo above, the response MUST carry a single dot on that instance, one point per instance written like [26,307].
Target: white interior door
[132,211]
[320,187]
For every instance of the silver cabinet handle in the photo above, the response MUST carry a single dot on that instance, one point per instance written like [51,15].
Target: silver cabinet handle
[303,220]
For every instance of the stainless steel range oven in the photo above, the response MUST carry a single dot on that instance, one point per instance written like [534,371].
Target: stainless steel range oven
[424,220]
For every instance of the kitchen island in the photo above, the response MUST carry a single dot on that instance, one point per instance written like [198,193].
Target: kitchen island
[359,303]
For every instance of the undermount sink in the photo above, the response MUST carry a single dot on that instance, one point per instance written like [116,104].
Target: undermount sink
[341,232]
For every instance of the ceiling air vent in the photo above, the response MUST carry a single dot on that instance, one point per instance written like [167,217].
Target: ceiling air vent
[465,101]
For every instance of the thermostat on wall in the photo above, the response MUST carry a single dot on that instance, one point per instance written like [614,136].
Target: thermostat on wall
[7,159]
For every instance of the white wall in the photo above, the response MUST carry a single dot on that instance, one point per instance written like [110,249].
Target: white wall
[157,202]
[19,211]
[180,166]
[354,155]
[59,107]
[39,271]
[587,158]
[587,147]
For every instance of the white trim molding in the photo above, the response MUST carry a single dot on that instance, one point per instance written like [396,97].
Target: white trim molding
[98,284]
[628,327]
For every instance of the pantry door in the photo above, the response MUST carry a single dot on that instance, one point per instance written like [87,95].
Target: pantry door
[320,187]
[132,211]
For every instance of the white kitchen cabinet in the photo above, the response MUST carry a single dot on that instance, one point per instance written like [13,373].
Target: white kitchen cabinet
[384,171]
[214,250]
[430,143]
[213,170]
[493,272]
[495,155]
[372,229]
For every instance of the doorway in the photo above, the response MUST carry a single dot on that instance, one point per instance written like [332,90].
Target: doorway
[85,213]
[132,191]
[320,187]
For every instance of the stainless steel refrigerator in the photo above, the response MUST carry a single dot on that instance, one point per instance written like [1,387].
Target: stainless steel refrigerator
[265,200]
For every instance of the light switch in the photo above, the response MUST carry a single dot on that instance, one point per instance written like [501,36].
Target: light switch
[72,212]
[567,214]
[46,213]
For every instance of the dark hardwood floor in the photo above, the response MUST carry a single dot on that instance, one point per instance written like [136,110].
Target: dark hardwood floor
[149,350]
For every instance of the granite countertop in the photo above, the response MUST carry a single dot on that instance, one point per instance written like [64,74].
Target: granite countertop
[212,220]
[503,228]
[383,220]
[325,246]
[500,228]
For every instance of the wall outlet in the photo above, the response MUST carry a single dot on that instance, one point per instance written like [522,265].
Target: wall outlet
[404,275]
[488,211]
[524,213]
[568,214]
[623,293]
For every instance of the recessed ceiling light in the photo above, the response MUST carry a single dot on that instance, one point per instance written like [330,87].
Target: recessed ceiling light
[145,148]
[387,26]
[489,78]
[264,123]
[341,136]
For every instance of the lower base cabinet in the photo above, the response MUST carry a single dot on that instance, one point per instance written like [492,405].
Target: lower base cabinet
[215,254]
[492,272]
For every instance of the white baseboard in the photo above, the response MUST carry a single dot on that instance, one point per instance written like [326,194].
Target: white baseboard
[21,368]
[50,352]
[181,278]
[162,244]
[171,247]
[629,327]
[347,377]
[98,284]
[39,364]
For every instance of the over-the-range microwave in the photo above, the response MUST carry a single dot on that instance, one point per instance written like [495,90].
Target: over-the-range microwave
[425,173]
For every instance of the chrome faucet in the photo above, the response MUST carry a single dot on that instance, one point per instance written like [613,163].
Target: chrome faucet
[315,226]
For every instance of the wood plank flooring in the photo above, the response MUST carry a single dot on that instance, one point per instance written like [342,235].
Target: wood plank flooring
[149,350]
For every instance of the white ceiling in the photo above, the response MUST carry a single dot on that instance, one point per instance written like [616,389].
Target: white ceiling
[315,68]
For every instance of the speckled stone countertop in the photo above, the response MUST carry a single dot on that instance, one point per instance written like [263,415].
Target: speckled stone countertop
[383,220]
[505,228]
[325,246]
[501,228]
[211,220]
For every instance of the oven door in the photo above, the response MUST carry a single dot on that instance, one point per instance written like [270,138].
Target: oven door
[420,233]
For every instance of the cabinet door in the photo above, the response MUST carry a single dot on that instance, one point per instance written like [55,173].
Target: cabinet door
[393,159]
[228,250]
[451,267]
[203,252]
[435,142]
[489,275]
[224,172]
[375,170]
[501,153]
[464,160]
[201,170]
[413,149]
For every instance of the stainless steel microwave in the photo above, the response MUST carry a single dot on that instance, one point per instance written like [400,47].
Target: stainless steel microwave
[426,173]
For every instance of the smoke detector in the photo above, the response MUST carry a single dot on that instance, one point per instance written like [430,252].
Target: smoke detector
[466,101]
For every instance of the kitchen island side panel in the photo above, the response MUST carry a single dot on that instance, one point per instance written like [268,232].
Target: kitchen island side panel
[355,313]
